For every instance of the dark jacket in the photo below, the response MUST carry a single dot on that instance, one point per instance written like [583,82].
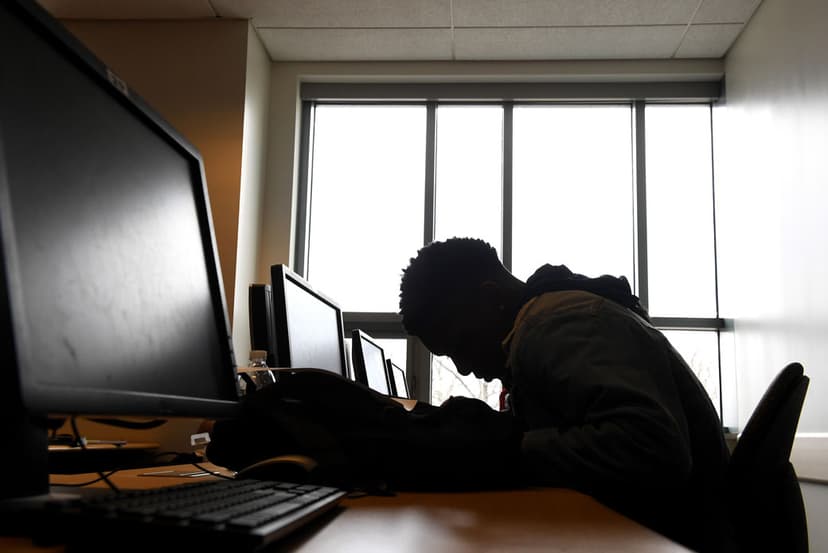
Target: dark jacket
[608,407]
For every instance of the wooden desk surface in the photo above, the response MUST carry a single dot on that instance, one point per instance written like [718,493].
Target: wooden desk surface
[548,520]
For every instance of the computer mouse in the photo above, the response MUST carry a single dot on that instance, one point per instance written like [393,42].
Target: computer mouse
[284,468]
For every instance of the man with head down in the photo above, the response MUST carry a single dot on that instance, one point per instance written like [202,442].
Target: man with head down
[605,404]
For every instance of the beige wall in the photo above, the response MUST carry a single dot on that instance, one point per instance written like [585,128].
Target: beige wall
[193,73]
[771,138]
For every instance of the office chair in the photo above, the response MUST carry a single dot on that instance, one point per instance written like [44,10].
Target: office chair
[766,502]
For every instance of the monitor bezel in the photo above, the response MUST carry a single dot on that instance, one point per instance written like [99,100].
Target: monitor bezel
[392,369]
[44,400]
[279,274]
[358,338]
[260,321]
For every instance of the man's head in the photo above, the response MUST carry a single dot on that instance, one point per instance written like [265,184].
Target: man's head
[457,297]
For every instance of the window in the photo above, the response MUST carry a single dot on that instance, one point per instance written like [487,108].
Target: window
[366,213]
[680,211]
[573,189]
[619,187]
[468,173]
[447,382]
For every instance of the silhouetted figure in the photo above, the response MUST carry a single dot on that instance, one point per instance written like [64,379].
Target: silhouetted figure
[605,404]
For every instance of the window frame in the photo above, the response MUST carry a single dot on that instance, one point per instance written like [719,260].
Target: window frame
[431,95]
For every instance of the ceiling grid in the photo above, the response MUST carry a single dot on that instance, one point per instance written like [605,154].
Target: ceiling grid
[442,30]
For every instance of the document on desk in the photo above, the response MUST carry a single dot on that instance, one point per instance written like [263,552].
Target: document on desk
[176,473]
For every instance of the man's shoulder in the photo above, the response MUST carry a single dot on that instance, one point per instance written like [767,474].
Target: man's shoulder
[576,312]
[565,302]
[552,308]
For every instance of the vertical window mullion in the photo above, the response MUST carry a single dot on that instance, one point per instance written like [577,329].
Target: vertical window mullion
[639,149]
[303,201]
[430,171]
[506,229]
[716,262]
[419,358]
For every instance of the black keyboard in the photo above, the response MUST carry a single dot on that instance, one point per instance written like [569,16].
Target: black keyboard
[235,514]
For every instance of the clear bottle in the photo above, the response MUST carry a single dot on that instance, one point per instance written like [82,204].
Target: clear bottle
[262,376]
[258,358]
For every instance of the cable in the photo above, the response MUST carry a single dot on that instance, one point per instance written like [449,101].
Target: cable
[82,443]
[87,483]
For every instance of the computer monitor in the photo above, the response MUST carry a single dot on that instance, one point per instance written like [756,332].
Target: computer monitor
[396,378]
[111,301]
[369,362]
[309,330]
[262,326]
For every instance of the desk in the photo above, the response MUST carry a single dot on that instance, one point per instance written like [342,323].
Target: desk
[543,520]
[71,459]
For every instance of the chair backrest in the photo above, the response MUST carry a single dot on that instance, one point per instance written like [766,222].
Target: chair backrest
[767,508]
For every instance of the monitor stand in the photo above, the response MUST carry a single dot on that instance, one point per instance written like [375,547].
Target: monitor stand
[24,470]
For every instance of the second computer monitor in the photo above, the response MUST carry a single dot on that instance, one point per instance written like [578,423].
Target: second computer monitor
[369,362]
[396,378]
[308,325]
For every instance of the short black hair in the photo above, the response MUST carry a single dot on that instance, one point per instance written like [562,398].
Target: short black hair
[440,272]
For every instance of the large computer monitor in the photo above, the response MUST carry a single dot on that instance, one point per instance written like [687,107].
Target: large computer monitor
[369,362]
[111,299]
[309,329]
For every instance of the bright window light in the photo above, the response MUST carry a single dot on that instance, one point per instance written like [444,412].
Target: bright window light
[573,189]
[367,202]
[469,173]
[680,247]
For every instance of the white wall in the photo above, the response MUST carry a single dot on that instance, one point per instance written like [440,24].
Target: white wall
[251,191]
[771,137]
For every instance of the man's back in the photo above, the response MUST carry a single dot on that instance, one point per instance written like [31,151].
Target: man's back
[611,409]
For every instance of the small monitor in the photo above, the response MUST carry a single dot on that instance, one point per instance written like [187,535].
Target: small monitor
[369,362]
[396,378]
[262,326]
[309,331]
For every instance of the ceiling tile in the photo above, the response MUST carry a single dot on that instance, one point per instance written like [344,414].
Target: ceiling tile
[128,9]
[567,43]
[357,44]
[708,41]
[726,11]
[339,13]
[562,13]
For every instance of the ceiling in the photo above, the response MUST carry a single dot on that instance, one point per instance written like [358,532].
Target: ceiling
[439,30]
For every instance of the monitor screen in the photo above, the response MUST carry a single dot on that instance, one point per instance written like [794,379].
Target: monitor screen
[112,298]
[309,331]
[369,362]
[396,376]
